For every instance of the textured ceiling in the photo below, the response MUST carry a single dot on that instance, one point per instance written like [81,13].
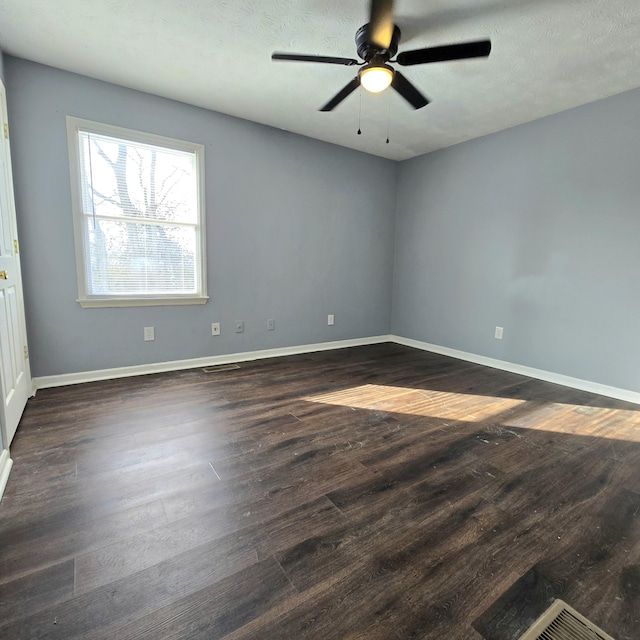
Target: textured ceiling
[548,55]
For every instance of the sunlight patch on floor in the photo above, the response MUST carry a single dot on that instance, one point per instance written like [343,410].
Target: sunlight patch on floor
[617,424]
[419,402]
[599,422]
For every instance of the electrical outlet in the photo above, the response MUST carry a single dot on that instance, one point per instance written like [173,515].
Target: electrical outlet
[149,334]
[239,326]
[498,333]
[215,328]
[271,325]
[330,320]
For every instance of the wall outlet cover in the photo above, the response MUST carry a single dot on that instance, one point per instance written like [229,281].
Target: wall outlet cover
[331,320]
[149,334]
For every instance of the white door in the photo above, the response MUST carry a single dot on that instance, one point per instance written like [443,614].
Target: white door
[15,376]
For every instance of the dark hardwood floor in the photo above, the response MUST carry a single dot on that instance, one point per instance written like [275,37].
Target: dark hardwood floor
[376,492]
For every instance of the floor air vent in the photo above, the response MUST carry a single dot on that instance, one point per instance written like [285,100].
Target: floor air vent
[561,622]
[221,367]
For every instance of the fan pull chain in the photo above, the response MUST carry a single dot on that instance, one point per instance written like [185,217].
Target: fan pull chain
[388,114]
[360,111]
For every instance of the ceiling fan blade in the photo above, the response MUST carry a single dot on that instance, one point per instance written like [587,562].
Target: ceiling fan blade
[342,94]
[381,23]
[408,91]
[478,49]
[296,57]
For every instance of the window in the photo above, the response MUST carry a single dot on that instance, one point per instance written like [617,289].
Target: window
[138,207]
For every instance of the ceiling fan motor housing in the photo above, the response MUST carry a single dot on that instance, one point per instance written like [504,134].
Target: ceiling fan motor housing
[367,50]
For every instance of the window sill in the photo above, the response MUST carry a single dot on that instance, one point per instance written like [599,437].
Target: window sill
[94,303]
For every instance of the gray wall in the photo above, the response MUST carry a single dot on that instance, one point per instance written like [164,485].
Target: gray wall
[296,229]
[535,229]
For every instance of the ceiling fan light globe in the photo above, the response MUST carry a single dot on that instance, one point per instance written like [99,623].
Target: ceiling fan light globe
[376,78]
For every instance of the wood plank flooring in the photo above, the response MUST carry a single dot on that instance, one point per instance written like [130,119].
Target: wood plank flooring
[376,492]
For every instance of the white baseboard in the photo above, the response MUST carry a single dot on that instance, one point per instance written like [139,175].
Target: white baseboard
[5,468]
[531,372]
[46,382]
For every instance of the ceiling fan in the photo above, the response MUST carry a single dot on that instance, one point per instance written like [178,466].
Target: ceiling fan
[377,42]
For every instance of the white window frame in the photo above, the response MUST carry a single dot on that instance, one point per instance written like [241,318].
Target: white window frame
[74,127]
